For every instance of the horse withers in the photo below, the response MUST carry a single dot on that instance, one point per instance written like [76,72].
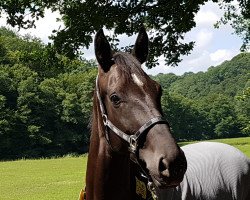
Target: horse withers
[127,125]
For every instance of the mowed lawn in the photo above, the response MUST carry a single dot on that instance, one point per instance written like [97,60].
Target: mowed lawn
[61,178]
[50,179]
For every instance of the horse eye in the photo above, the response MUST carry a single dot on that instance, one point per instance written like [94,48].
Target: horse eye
[115,99]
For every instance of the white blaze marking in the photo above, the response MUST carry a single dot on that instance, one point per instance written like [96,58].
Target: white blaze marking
[137,80]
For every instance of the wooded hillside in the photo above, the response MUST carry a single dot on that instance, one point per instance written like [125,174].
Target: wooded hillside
[46,100]
[209,104]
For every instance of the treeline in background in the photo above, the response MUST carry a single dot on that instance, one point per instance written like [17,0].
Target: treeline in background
[46,100]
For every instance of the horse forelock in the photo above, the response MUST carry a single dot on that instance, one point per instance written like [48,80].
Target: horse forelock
[128,65]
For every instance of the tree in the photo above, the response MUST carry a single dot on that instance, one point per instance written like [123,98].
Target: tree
[45,99]
[186,121]
[238,16]
[166,21]
[243,108]
[209,104]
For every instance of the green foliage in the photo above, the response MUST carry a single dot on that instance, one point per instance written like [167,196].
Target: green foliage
[167,22]
[211,104]
[185,119]
[243,107]
[45,99]
[240,21]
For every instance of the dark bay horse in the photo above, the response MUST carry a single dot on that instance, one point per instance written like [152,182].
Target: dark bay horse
[127,125]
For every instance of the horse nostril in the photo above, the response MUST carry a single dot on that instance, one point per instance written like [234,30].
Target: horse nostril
[163,167]
[175,170]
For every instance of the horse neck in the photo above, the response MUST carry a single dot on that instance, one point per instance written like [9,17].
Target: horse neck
[108,173]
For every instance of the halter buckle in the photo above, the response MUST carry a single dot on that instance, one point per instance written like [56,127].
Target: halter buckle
[133,144]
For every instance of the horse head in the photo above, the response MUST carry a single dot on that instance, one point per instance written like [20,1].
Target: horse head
[130,105]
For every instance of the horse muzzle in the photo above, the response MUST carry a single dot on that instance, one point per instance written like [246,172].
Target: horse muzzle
[167,172]
[170,172]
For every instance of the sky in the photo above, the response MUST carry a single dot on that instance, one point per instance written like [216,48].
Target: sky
[212,46]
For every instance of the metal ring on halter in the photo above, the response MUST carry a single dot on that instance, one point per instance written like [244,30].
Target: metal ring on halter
[133,144]
[105,119]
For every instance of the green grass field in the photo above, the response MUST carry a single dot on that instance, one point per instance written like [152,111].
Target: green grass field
[58,179]
[47,179]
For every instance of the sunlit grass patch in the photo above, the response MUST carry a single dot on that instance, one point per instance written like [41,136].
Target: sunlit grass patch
[60,178]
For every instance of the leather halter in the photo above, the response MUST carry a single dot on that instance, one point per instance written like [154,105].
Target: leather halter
[131,139]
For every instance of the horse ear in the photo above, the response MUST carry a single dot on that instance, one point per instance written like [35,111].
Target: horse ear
[103,51]
[140,50]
